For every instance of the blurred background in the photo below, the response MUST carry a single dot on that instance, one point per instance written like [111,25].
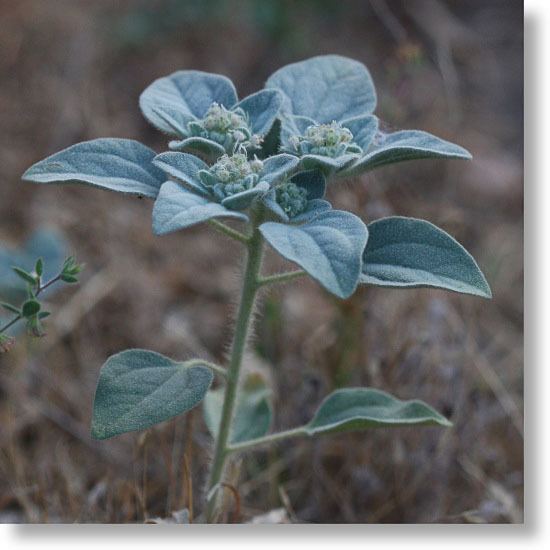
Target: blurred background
[73,70]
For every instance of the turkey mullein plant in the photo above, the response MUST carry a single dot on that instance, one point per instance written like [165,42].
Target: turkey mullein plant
[258,171]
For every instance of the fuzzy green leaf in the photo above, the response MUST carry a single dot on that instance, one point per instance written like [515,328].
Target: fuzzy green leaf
[262,108]
[363,128]
[405,145]
[184,168]
[361,408]
[177,208]
[138,389]
[277,168]
[121,165]
[406,252]
[202,147]
[30,308]
[328,247]
[325,88]
[243,200]
[184,95]
[39,267]
[25,275]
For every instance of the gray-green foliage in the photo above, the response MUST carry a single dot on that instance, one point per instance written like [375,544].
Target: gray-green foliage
[122,165]
[359,408]
[405,252]
[266,162]
[139,388]
[334,92]
[328,247]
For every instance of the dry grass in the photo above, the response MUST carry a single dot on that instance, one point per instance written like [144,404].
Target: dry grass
[73,70]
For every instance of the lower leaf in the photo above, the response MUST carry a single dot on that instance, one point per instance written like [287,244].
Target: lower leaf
[138,389]
[406,252]
[361,408]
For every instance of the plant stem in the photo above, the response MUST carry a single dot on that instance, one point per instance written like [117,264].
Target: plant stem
[271,438]
[9,324]
[38,291]
[248,295]
[281,277]
[48,284]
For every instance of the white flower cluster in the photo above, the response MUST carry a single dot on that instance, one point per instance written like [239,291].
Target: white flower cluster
[329,140]
[228,128]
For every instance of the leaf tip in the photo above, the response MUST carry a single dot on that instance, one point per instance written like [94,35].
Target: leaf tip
[98,433]
[28,174]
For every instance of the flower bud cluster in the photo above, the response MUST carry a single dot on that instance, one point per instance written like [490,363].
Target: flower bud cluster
[231,175]
[228,128]
[329,140]
[291,198]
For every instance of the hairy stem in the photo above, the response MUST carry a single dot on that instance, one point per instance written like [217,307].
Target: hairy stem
[248,296]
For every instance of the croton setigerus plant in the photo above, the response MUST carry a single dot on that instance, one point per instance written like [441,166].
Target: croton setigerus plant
[264,164]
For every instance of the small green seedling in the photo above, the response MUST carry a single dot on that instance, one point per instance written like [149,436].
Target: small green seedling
[30,310]
[266,162]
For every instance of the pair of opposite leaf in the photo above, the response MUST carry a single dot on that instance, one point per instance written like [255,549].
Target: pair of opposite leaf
[223,164]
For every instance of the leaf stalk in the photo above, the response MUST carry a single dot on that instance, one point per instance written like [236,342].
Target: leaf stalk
[229,231]
[268,439]
[281,277]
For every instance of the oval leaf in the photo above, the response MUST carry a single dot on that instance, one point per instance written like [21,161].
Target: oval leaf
[183,167]
[360,408]
[406,252]
[328,247]
[122,165]
[313,209]
[139,388]
[327,165]
[177,208]
[364,128]
[241,201]
[277,168]
[262,108]
[326,88]
[406,145]
[202,147]
[185,95]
